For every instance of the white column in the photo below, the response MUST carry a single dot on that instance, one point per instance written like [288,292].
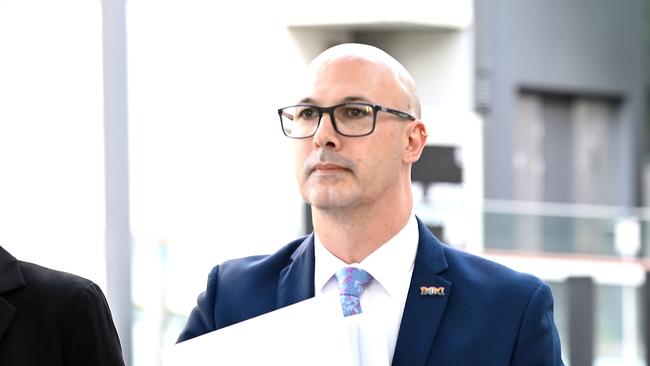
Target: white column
[118,233]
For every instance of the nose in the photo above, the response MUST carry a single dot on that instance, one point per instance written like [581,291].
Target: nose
[326,135]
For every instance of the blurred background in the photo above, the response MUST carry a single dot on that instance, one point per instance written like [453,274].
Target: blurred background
[140,145]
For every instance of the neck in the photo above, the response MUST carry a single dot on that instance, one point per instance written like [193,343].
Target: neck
[352,234]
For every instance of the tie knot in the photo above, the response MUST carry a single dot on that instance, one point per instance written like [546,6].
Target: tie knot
[352,281]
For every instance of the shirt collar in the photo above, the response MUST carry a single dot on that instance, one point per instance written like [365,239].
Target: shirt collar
[388,264]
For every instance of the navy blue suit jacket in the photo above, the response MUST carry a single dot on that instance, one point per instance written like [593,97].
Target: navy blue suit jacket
[489,315]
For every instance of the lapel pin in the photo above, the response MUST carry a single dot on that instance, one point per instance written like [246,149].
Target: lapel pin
[432,291]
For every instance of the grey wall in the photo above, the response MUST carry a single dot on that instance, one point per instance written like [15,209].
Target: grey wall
[591,47]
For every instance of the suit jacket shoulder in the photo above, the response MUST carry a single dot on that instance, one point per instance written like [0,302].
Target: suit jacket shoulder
[476,273]
[63,317]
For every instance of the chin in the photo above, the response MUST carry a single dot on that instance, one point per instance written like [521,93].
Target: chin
[327,200]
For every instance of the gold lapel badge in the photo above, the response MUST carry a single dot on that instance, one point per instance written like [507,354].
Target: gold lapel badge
[432,291]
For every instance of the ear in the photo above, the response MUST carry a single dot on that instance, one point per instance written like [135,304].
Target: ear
[416,134]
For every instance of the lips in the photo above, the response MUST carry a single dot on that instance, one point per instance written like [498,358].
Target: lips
[327,167]
[327,162]
[325,170]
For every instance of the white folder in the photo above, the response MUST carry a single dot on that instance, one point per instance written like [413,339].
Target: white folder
[311,332]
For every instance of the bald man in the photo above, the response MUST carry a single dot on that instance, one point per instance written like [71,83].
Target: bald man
[406,298]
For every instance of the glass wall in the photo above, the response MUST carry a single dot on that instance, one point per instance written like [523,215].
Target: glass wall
[568,240]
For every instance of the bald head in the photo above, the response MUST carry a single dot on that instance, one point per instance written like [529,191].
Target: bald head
[351,51]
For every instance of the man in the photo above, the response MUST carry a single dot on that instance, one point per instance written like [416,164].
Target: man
[51,318]
[357,131]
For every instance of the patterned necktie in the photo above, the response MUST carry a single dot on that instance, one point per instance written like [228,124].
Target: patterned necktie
[351,281]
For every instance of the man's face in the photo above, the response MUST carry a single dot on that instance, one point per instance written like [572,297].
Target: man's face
[339,172]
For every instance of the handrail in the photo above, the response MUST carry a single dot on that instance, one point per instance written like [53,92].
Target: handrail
[539,208]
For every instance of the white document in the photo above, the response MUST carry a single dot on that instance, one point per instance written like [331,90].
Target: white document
[311,332]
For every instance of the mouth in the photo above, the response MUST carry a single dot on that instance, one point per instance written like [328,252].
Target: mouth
[326,163]
[327,168]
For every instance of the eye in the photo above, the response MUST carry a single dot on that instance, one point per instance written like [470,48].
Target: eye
[307,113]
[357,111]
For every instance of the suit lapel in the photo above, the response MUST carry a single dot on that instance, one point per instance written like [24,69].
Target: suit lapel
[422,313]
[296,281]
[11,278]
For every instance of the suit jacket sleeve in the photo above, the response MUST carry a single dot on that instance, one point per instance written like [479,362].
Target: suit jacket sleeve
[91,337]
[538,343]
[201,319]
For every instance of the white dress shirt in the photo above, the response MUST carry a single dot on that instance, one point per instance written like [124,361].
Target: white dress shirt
[373,333]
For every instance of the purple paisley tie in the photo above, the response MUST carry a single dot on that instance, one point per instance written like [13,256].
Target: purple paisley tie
[351,281]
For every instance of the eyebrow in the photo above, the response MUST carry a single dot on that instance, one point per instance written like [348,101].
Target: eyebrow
[348,99]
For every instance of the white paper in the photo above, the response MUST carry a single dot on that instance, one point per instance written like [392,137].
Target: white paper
[307,333]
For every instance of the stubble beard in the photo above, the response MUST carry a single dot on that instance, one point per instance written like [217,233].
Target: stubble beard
[329,197]
[329,193]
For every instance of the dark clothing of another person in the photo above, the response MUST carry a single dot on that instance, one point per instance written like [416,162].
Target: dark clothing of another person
[51,318]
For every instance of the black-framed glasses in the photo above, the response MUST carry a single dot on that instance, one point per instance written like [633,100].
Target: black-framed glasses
[349,119]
